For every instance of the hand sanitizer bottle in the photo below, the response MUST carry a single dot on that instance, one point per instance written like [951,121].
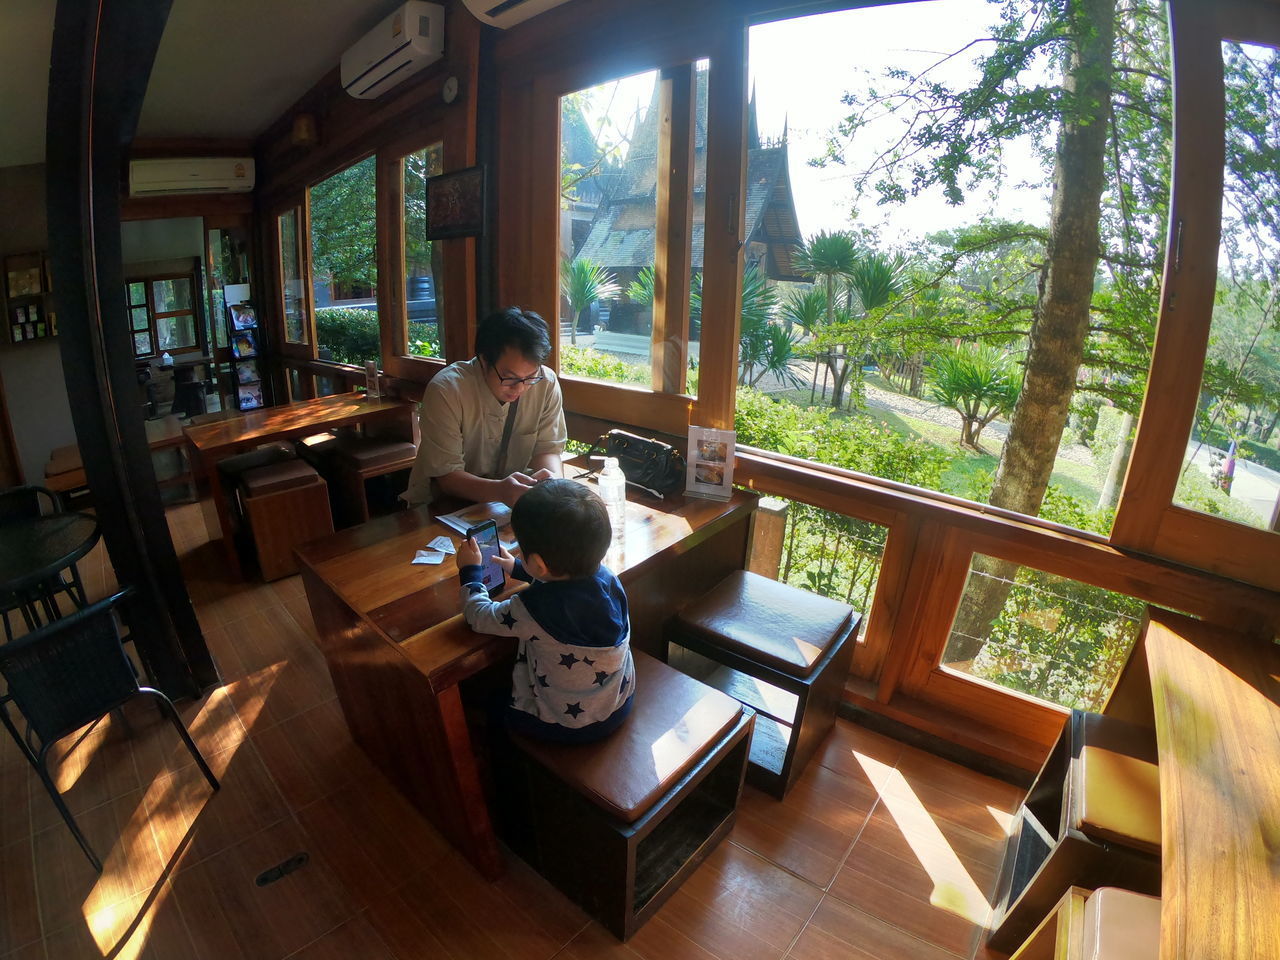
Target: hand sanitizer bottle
[613,491]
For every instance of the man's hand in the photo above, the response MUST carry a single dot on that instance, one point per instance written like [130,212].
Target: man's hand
[505,560]
[469,553]
[514,487]
[543,474]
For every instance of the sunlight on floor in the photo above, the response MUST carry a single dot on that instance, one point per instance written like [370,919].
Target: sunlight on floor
[953,888]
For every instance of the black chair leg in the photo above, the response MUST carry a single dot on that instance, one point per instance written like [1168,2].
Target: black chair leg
[166,705]
[75,589]
[66,814]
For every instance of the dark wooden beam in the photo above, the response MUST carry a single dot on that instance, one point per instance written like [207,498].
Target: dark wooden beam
[100,64]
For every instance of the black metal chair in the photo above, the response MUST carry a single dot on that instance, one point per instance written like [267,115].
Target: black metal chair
[67,674]
[20,503]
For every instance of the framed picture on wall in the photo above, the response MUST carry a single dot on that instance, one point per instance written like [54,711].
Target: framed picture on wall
[24,275]
[456,204]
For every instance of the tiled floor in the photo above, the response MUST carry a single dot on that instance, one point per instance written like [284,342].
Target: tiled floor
[880,851]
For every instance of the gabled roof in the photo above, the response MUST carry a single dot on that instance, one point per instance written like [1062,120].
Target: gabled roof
[623,234]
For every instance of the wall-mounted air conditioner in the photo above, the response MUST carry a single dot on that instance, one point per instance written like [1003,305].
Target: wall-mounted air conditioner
[177,175]
[411,38]
[507,13]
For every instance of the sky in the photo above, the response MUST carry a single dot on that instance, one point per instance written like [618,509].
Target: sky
[800,68]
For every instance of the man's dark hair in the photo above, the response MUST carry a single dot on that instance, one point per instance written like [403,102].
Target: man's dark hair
[513,327]
[565,524]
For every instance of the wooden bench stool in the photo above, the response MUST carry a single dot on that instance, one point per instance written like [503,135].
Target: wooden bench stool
[285,504]
[618,825]
[1091,819]
[355,460]
[1104,924]
[784,652]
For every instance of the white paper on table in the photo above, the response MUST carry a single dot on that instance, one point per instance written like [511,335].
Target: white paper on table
[443,544]
[428,556]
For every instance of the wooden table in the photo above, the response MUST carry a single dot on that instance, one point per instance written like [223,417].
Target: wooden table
[211,442]
[398,648]
[1217,714]
[65,471]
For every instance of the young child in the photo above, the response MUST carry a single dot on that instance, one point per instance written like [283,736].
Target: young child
[574,676]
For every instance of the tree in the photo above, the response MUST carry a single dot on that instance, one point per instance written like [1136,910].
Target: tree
[979,382]
[830,257]
[584,282]
[764,347]
[343,238]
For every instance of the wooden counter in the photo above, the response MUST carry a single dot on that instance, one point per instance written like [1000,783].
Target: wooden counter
[398,648]
[1217,714]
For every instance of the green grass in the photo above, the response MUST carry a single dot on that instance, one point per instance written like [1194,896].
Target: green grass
[966,466]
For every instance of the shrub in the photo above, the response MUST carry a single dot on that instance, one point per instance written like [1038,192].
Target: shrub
[350,335]
[584,362]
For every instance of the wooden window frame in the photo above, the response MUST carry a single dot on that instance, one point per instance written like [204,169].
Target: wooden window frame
[1147,518]
[528,169]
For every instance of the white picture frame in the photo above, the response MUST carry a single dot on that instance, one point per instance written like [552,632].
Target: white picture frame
[710,463]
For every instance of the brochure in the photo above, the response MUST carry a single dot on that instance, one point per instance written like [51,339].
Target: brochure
[710,471]
[463,520]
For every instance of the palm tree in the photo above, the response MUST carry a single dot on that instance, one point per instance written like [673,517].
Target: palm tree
[979,382]
[584,282]
[875,282]
[830,256]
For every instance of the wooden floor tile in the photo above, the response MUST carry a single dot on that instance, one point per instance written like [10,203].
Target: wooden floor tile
[737,905]
[16,780]
[849,744]
[916,837]
[19,919]
[371,838]
[312,754]
[230,917]
[841,932]
[656,940]
[158,749]
[354,940]
[32,951]
[943,907]
[66,883]
[810,831]
[192,822]
[918,766]
[144,927]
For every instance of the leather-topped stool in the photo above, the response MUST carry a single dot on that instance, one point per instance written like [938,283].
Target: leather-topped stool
[356,460]
[618,825]
[285,504]
[1090,819]
[1109,923]
[784,652]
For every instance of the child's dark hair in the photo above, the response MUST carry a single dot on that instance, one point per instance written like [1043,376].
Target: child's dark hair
[565,524]
[513,327]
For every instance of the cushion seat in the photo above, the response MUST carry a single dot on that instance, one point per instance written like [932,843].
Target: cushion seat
[1120,799]
[365,453]
[265,455]
[277,477]
[675,721]
[768,622]
[1121,925]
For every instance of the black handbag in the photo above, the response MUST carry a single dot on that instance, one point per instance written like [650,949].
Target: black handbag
[654,466]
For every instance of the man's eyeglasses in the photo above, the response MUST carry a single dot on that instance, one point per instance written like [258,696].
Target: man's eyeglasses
[516,381]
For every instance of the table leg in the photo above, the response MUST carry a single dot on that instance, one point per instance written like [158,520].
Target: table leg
[217,519]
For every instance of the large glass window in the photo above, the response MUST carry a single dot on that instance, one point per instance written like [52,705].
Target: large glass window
[344,265]
[292,292]
[1232,463]
[162,314]
[1047,636]
[900,246]
[608,222]
[421,256]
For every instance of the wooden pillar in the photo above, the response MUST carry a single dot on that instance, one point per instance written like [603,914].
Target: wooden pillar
[100,63]
[768,531]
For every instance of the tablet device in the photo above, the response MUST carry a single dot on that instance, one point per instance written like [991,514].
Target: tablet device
[491,575]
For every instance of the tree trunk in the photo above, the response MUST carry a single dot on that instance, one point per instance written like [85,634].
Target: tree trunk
[1061,318]
[1119,464]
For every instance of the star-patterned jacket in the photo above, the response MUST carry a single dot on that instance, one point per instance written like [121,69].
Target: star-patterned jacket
[573,663]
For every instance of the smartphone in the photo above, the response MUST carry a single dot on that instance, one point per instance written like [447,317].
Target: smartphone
[491,574]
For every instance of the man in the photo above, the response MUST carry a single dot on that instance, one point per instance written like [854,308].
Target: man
[492,426]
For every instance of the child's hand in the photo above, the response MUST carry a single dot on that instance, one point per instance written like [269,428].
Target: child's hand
[468,553]
[505,560]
